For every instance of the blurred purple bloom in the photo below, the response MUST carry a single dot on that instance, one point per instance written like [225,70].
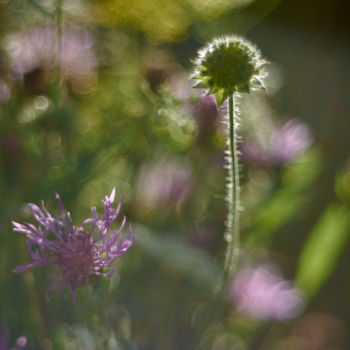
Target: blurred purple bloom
[80,253]
[5,92]
[5,340]
[262,293]
[36,49]
[207,115]
[286,143]
[165,184]
[206,107]
[180,87]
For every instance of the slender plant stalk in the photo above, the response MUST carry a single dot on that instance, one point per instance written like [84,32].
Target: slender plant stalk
[225,67]
[232,234]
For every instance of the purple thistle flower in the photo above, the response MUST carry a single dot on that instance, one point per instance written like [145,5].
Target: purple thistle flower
[79,253]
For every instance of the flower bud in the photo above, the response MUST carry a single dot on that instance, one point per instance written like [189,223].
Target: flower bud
[227,65]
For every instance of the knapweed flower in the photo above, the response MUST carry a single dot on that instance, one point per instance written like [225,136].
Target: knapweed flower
[262,293]
[80,252]
[21,342]
[228,65]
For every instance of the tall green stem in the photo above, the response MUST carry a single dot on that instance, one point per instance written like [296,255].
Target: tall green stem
[225,67]
[232,234]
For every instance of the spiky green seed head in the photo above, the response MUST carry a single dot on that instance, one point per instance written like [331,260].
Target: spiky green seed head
[227,65]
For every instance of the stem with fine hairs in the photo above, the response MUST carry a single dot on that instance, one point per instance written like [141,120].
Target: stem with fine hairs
[232,233]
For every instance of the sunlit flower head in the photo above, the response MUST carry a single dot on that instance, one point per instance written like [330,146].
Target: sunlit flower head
[262,293]
[227,65]
[80,251]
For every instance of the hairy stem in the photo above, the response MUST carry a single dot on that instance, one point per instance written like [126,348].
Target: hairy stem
[232,234]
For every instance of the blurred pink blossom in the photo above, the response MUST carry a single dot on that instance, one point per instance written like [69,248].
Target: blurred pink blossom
[165,183]
[286,143]
[36,49]
[262,293]
[20,344]
[5,92]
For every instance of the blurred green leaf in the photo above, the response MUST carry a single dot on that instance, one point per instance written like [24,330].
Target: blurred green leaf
[287,201]
[322,249]
[180,256]
[342,186]
[40,7]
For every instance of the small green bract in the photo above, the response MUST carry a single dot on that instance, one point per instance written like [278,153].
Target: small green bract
[227,65]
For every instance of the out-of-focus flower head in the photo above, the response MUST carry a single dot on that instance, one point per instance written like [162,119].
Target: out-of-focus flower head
[80,252]
[205,107]
[21,342]
[35,50]
[286,143]
[181,87]
[5,92]
[165,184]
[10,146]
[206,115]
[159,68]
[262,293]
[228,65]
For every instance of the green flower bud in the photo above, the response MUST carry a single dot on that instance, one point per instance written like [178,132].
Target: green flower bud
[228,65]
